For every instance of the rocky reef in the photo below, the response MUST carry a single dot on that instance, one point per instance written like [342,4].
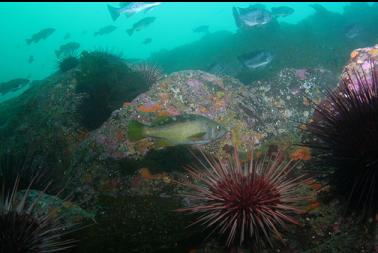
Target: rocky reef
[256,113]
[266,113]
[130,187]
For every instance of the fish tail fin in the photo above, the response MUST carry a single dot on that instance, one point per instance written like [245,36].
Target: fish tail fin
[28,41]
[135,131]
[236,16]
[130,31]
[114,12]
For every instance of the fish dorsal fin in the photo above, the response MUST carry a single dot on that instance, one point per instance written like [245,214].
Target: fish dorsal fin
[162,120]
[148,9]
[253,7]
[236,14]
[243,11]
[256,6]
[320,9]
[197,137]
[171,119]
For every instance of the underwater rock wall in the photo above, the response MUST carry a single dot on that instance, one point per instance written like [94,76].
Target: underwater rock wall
[42,123]
[253,114]
[267,114]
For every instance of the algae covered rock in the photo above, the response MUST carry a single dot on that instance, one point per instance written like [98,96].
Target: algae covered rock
[266,113]
[69,213]
[251,114]
[52,117]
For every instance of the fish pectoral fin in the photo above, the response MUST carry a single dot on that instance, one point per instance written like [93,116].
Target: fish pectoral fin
[197,137]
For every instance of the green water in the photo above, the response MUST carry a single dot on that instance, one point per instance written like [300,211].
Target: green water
[173,27]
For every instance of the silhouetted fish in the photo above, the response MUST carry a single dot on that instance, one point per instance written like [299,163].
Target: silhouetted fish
[255,15]
[144,22]
[67,49]
[31,59]
[320,9]
[147,41]
[201,29]
[221,68]
[282,11]
[256,59]
[41,35]
[105,30]
[353,31]
[131,8]
[67,36]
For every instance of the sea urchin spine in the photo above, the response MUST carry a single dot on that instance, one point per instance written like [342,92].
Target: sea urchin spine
[250,201]
[344,136]
[24,232]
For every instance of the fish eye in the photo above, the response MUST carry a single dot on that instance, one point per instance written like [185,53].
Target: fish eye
[218,127]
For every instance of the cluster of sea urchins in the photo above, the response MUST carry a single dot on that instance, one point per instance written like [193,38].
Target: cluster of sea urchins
[344,138]
[247,202]
[22,231]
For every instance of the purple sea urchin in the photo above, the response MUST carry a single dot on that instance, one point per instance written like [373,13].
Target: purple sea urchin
[24,232]
[68,63]
[249,202]
[344,137]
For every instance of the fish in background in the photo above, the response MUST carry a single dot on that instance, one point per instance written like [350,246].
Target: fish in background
[67,49]
[141,24]
[320,9]
[147,41]
[254,15]
[41,35]
[131,8]
[223,68]
[105,30]
[201,29]
[31,59]
[13,85]
[256,59]
[67,36]
[353,31]
[282,11]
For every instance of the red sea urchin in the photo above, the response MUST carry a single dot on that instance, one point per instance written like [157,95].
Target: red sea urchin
[246,201]
[23,232]
[344,137]
[151,73]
